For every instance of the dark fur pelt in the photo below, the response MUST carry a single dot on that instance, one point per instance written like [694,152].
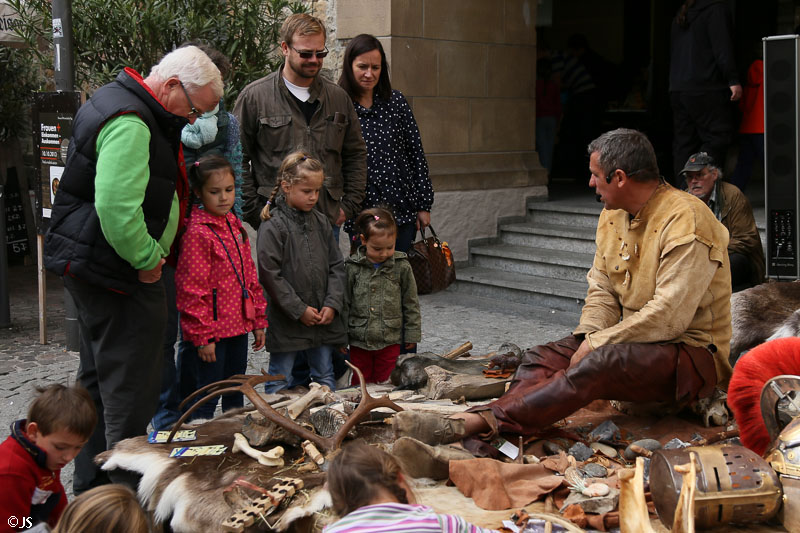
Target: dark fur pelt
[410,371]
[764,312]
[188,491]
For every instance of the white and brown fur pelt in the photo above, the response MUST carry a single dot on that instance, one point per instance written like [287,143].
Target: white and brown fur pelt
[764,312]
[188,491]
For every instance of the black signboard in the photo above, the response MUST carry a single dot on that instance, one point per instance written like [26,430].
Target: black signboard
[53,116]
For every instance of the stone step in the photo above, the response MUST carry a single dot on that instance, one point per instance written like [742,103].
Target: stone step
[557,295]
[559,264]
[563,213]
[550,236]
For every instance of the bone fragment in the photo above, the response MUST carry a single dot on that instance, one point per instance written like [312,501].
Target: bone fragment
[684,511]
[273,457]
[639,450]
[458,352]
[313,452]
[317,394]
[633,515]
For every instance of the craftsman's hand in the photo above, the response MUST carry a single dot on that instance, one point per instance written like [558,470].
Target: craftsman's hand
[341,218]
[736,92]
[259,338]
[207,353]
[411,345]
[310,317]
[583,350]
[326,316]
[423,219]
[152,275]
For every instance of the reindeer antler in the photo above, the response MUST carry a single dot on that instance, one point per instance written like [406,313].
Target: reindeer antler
[245,386]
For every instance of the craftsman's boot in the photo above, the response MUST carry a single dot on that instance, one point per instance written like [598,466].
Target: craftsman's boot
[417,459]
[429,428]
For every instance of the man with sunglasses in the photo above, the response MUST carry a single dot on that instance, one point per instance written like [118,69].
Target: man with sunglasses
[295,108]
[119,203]
[656,325]
[731,207]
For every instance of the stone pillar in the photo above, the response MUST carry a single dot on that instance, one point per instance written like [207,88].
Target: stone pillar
[468,69]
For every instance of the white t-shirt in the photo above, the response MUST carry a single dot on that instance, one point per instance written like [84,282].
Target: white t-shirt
[301,93]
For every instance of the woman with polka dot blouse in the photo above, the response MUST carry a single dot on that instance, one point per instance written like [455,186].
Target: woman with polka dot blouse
[397,172]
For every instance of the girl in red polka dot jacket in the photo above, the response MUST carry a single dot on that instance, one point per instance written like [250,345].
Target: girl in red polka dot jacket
[218,295]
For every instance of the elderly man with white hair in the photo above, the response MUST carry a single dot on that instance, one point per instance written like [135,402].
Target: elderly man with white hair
[121,199]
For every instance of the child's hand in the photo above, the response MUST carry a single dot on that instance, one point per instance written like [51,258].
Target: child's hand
[208,353]
[326,316]
[310,317]
[259,337]
[343,350]
[411,345]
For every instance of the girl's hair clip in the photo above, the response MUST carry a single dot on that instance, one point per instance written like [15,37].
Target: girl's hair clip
[269,202]
[376,217]
[197,163]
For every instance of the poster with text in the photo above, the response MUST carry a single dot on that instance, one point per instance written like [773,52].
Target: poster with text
[53,116]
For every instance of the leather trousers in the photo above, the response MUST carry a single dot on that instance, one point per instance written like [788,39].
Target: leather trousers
[546,389]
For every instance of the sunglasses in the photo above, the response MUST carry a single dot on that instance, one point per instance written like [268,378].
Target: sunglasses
[308,54]
[195,112]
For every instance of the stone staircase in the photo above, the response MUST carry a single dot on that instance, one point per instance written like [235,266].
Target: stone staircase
[541,260]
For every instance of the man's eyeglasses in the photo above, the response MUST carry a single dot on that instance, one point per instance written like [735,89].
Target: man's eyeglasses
[308,54]
[195,112]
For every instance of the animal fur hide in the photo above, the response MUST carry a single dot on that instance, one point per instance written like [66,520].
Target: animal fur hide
[764,312]
[187,491]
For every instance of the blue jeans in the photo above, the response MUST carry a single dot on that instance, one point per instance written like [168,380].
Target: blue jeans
[231,359]
[320,361]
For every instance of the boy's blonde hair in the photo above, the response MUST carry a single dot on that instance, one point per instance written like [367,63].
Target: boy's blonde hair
[294,168]
[58,407]
[104,509]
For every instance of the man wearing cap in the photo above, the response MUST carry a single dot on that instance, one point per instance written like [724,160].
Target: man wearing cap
[656,325]
[731,207]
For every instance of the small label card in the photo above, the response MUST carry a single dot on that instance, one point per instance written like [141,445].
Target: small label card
[160,437]
[193,451]
[506,448]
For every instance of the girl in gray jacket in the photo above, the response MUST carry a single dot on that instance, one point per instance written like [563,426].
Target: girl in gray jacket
[301,268]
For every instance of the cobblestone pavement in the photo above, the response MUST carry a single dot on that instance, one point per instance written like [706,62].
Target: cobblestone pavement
[449,319]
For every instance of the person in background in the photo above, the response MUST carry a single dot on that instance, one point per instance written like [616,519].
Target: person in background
[119,205]
[106,509]
[60,421]
[369,492]
[548,111]
[381,305]
[731,207]
[213,133]
[295,108]
[397,171]
[301,268]
[217,290]
[751,129]
[703,81]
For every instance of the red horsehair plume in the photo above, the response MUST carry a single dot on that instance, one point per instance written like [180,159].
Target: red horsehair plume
[752,371]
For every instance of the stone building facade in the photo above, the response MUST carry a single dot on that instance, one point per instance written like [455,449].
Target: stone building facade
[467,67]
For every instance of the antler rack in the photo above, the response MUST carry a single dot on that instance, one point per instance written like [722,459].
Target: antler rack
[245,384]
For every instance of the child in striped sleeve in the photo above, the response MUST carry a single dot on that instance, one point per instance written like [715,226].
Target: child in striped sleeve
[370,494]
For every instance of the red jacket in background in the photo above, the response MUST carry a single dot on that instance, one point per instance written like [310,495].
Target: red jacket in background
[752,102]
[208,293]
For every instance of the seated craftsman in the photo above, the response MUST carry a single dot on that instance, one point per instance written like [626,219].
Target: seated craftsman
[731,207]
[656,324]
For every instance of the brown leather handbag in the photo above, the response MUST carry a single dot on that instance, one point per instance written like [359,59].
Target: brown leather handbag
[432,263]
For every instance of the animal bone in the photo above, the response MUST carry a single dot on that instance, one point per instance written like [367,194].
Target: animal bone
[684,510]
[246,384]
[458,352]
[317,394]
[263,505]
[313,452]
[273,457]
[633,514]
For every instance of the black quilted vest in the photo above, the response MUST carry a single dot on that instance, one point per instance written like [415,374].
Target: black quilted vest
[75,243]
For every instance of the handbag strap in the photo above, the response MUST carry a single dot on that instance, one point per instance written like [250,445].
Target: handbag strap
[422,232]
